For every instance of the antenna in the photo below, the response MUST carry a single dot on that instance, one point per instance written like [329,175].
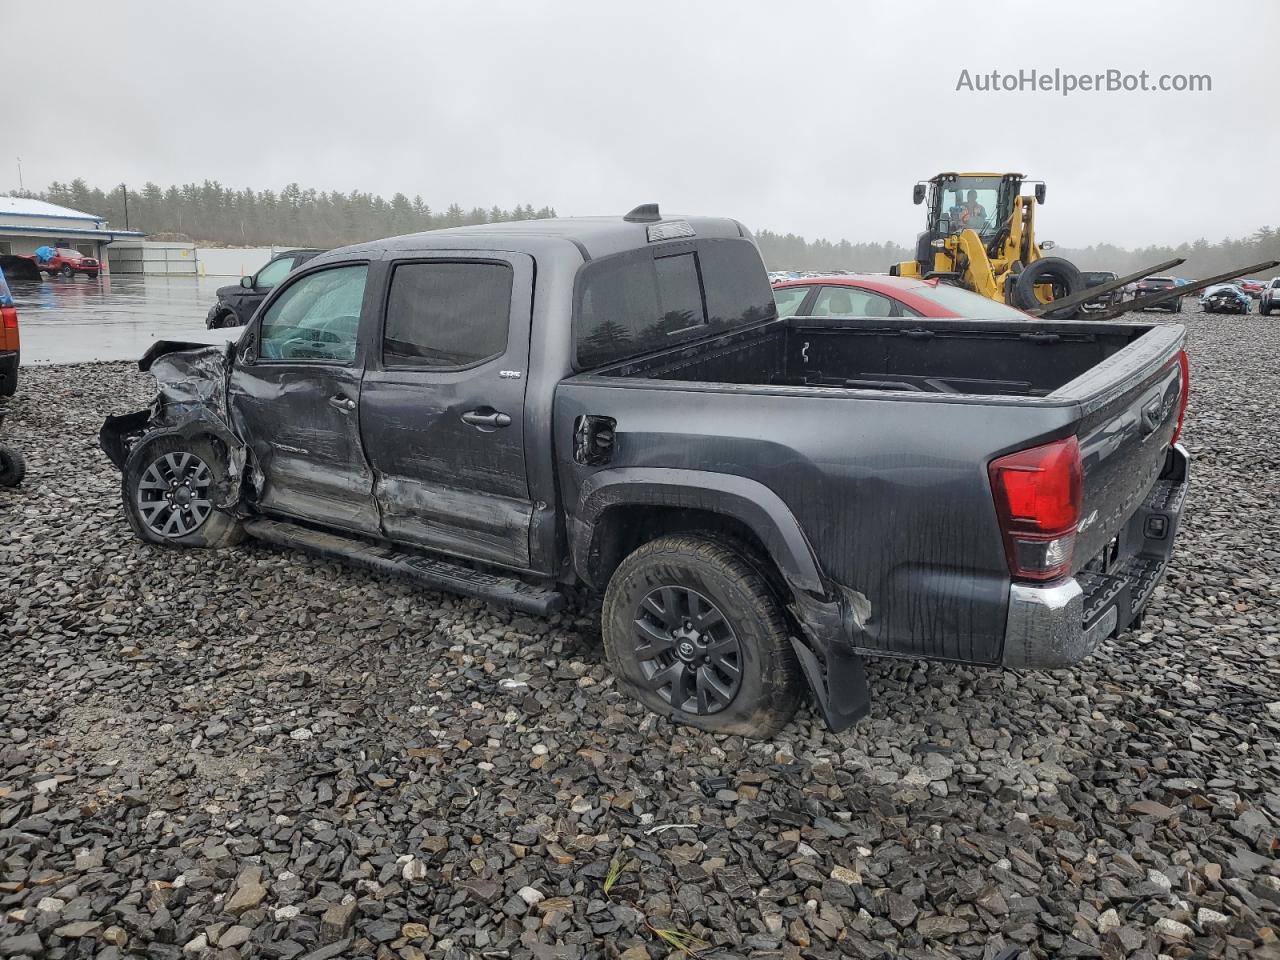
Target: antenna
[645,213]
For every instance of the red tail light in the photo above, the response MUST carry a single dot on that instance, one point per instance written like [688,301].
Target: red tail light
[9,318]
[1186,392]
[1038,494]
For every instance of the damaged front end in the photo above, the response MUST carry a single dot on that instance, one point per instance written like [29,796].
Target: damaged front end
[191,402]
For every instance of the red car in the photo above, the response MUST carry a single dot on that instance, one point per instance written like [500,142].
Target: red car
[874,295]
[66,262]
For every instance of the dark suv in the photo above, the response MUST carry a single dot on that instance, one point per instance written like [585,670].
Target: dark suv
[1156,285]
[236,303]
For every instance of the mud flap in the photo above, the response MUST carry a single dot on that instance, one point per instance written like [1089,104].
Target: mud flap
[839,689]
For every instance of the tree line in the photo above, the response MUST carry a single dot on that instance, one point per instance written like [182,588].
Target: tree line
[210,213]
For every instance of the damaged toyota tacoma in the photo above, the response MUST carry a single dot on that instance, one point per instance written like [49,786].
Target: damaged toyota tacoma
[519,411]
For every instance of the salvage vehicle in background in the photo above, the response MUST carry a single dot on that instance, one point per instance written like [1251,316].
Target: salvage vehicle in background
[516,410]
[1150,285]
[1096,278]
[1270,299]
[1253,288]
[236,303]
[1225,298]
[65,262]
[878,295]
[10,348]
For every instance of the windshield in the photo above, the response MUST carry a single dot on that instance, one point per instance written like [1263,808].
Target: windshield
[970,203]
[64,252]
[967,304]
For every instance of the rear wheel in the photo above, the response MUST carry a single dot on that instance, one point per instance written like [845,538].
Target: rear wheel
[693,632]
[168,486]
[12,467]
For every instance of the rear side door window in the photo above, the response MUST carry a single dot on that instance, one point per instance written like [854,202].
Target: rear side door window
[447,315]
[852,302]
[789,300]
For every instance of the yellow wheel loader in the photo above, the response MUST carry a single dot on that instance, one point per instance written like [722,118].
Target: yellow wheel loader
[980,234]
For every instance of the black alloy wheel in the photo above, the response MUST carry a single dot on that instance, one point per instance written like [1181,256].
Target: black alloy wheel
[688,652]
[173,495]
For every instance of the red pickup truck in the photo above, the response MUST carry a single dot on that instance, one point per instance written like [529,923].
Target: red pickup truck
[9,350]
[66,263]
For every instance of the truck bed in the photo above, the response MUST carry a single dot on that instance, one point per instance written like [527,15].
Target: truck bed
[876,435]
[911,355]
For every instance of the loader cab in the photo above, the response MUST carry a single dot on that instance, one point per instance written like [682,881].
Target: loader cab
[977,201]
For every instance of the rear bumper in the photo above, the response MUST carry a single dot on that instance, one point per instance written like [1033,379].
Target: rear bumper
[1059,624]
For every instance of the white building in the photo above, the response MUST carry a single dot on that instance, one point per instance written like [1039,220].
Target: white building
[26,224]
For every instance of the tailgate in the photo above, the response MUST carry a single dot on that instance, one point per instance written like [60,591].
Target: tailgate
[1132,403]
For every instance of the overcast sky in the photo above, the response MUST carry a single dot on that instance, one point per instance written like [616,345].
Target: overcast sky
[807,117]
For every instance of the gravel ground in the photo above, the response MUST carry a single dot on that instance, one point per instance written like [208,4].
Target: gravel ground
[253,753]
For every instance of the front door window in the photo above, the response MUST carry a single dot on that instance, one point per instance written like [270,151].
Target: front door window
[272,273]
[316,318]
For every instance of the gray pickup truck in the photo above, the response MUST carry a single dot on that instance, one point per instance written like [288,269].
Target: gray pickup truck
[521,410]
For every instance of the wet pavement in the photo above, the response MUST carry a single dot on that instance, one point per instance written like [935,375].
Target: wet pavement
[110,318]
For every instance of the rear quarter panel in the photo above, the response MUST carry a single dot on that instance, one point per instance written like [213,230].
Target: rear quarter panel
[891,493]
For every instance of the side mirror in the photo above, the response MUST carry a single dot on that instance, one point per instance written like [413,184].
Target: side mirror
[1039,193]
[247,347]
[917,193]
[246,282]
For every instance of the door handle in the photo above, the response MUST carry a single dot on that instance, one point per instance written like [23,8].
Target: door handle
[486,418]
[345,404]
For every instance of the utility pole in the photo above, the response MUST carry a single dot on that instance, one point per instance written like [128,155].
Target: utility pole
[21,186]
[125,190]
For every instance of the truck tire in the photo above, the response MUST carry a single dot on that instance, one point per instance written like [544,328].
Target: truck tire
[12,467]
[65,271]
[166,486]
[694,633]
[1064,275]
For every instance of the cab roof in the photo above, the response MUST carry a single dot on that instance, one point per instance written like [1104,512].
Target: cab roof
[593,236]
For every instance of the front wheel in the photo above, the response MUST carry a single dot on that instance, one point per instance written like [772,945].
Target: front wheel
[168,486]
[65,271]
[694,633]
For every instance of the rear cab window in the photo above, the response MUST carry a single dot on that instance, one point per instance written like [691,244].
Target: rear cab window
[654,297]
